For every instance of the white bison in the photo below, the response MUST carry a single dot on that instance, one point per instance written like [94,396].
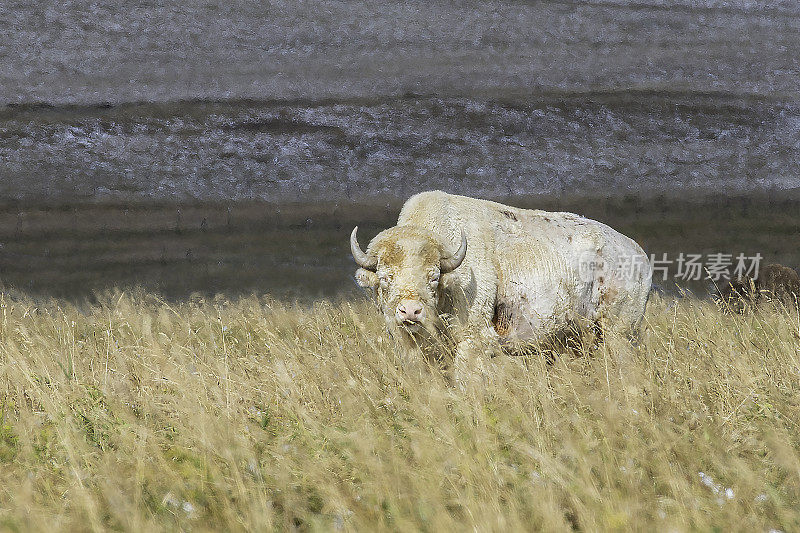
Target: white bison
[468,272]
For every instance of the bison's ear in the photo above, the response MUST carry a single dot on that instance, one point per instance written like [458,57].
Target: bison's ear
[366,278]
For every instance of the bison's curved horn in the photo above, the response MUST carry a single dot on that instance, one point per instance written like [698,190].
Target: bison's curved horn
[361,258]
[450,264]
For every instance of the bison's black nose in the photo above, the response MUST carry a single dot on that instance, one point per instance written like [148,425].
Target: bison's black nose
[410,311]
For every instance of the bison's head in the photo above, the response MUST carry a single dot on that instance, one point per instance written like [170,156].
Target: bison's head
[403,265]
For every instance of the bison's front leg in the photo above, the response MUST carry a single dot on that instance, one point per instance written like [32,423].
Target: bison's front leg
[467,365]
[421,351]
[472,355]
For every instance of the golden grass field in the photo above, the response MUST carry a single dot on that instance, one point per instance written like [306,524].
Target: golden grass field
[136,414]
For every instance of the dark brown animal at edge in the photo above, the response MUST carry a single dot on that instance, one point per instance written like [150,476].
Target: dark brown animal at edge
[776,283]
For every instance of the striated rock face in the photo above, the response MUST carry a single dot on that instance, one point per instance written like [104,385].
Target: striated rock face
[89,52]
[299,101]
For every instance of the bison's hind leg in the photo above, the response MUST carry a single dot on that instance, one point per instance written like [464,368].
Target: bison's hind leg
[599,332]
[576,340]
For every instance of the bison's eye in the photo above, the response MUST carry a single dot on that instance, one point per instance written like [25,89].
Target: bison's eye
[384,280]
[434,279]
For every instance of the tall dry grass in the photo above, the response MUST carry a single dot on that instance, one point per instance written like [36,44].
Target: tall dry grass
[137,414]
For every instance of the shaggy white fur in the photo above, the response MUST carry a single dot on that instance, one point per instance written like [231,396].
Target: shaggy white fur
[527,276]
